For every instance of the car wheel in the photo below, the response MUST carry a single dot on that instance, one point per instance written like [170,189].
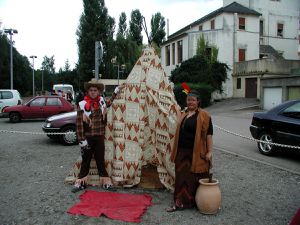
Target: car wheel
[266,148]
[14,117]
[70,137]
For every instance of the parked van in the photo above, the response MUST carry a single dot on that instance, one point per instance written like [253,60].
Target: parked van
[65,88]
[9,97]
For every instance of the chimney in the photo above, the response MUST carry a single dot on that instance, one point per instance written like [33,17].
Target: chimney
[167,28]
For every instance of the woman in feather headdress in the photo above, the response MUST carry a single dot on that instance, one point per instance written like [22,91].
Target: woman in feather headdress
[192,151]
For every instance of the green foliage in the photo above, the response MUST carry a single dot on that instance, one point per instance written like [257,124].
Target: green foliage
[135,26]
[122,27]
[127,52]
[67,65]
[48,64]
[203,69]
[210,52]
[21,68]
[204,90]
[158,33]
[214,54]
[199,70]
[201,46]
[95,25]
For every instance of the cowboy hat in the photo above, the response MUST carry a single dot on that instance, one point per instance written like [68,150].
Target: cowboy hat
[94,83]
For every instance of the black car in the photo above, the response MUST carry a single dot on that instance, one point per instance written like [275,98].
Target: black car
[278,125]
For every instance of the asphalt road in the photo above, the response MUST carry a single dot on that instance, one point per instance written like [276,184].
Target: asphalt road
[239,122]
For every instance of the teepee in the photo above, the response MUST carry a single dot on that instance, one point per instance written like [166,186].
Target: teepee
[141,125]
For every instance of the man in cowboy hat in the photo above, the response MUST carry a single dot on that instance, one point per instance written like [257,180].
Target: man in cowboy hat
[90,128]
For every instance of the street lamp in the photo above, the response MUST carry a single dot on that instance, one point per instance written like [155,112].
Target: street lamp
[43,80]
[33,57]
[123,66]
[114,61]
[11,32]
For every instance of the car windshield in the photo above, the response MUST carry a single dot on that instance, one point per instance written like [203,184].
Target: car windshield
[64,89]
[292,111]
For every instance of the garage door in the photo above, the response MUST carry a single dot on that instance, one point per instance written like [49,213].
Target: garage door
[272,97]
[293,93]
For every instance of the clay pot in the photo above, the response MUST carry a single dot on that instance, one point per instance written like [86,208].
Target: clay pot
[208,196]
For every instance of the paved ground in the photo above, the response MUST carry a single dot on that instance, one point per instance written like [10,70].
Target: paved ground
[33,169]
[227,114]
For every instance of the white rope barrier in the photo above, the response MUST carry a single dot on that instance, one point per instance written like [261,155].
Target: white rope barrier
[216,126]
[35,133]
[256,140]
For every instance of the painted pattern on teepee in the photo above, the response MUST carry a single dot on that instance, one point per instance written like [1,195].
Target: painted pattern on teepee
[141,126]
[146,123]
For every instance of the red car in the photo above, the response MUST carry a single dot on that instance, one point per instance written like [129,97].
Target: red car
[38,107]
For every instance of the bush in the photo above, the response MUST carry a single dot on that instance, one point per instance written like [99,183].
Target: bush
[200,70]
[205,91]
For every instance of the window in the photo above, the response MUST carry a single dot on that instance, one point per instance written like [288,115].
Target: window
[208,53]
[242,23]
[238,83]
[179,51]
[168,55]
[53,102]
[200,27]
[279,29]
[173,54]
[212,24]
[261,27]
[242,55]
[38,102]
[292,111]
[6,95]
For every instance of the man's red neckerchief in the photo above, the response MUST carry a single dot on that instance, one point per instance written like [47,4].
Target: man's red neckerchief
[91,102]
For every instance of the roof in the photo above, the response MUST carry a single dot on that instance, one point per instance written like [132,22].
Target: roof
[268,49]
[231,8]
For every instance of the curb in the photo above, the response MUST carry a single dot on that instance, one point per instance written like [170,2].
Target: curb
[247,107]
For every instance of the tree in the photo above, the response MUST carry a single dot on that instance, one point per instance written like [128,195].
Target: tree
[122,27]
[109,49]
[203,72]
[67,65]
[158,33]
[47,72]
[94,25]
[21,66]
[135,27]
[48,64]
[210,52]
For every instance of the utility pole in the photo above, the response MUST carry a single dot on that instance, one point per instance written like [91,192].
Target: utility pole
[11,32]
[98,57]
[42,80]
[33,57]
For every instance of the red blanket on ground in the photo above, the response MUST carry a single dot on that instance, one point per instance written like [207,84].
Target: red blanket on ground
[118,206]
[296,218]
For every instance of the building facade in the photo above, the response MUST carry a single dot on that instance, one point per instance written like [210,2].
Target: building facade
[278,24]
[242,30]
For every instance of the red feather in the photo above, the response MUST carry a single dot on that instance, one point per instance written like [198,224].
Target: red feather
[186,87]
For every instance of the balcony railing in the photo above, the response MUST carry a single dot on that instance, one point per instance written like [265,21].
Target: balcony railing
[265,66]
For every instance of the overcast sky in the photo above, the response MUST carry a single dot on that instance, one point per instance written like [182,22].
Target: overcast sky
[48,27]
